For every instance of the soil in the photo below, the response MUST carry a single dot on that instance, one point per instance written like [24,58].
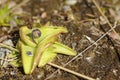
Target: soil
[101,61]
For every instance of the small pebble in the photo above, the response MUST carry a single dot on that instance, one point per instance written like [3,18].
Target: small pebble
[89,59]
[12,73]
[66,8]
[70,2]
[42,9]
[8,42]
[74,45]
[55,12]
[98,79]
[5,51]
[1,54]
[39,76]
[115,71]
[44,15]
[4,29]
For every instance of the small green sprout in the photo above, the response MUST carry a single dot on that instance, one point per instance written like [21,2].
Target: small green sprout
[6,16]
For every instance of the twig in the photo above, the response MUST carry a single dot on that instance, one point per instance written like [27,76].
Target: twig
[8,59]
[98,7]
[83,51]
[70,71]
[9,47]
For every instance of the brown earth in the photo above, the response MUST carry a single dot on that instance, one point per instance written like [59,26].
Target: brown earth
[101,61]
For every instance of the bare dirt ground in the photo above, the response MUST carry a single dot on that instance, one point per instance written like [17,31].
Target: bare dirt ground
[86,25]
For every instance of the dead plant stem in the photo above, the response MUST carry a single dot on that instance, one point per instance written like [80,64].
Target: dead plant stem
[70,71]
[99,9]
[9,47]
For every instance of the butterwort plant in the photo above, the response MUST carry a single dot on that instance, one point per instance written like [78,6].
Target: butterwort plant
[39,45]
